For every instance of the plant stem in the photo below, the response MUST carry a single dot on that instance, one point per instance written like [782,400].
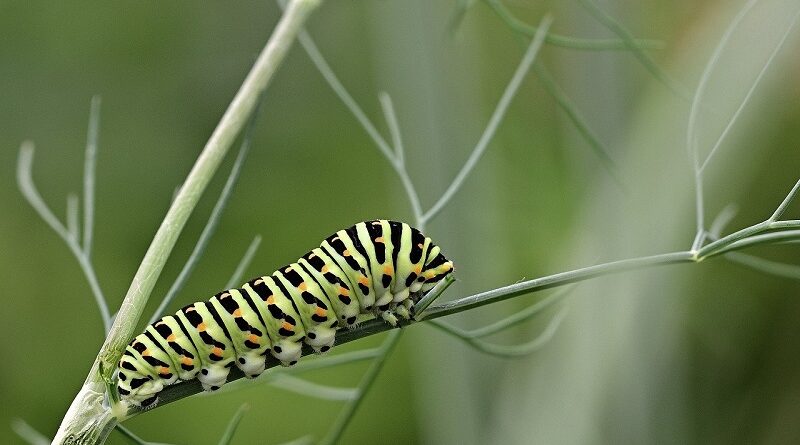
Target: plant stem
[87,422]
[367,380]
[559,279]
[375,326]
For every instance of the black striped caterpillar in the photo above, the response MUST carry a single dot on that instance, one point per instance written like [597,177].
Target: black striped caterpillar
[378,268]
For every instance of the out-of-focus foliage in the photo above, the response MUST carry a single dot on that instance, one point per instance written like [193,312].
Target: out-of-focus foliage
[699,353]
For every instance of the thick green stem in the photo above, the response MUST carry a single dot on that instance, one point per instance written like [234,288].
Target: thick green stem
[87,421]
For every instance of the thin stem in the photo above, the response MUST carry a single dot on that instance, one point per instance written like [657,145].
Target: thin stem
[494,121]
[564,41]
[766,238]
[367,380]
[716,247]
[211,224]
[396,156]
[700,213]
[577,119]
[28,433]
[233,424]
[612,24]
[776,215]
[559,279]
[89,164]
[311,389]
[394,127]
[304,440]
[520,316]
[459,12]
[691,133]
[29,191]
[432,295]
[329,361]
[322,66]
[244,263]
[722,220]
[72,216]
[399,163]
[505,351]
[750,91]
[763,265]
[691,136]
[92,420]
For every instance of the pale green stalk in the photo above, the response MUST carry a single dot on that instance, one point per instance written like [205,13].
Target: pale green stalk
[694,110]
[244,263]
[612,24]
[31,194]
[505,351]
[494,122]
[28,433]
[131,436]
[87,421]
[89,167]
[367,380]
[311,389]
[568,42]
[72,216]
[233,424]
[211,224]
[750,91]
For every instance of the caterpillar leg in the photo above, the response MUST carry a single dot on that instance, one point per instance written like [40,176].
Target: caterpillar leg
[213,376]
[321,338]
[252,364]
[286,351]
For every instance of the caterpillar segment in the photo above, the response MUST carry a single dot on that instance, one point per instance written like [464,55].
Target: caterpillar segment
[377,268]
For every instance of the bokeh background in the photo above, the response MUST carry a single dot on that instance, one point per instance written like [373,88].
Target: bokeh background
[704,353]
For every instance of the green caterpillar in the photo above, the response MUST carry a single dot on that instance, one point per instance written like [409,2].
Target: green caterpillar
[375,267]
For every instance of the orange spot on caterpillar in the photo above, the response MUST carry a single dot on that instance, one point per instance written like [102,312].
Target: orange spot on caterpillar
[321,312]
[379,239]
[186,360]
[363,280]
[145,353]
[343,291]
[346,252]
[171,337]
[164,370]
[253,338]
[325,269]
[302,286]
[288,326]
[388,270]
[201,327]
[418,269]
[217,351]
[271,299]
[237,313]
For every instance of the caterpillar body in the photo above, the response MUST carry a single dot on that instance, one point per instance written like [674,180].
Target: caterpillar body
[377,267]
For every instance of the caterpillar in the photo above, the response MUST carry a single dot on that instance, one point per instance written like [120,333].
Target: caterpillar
[377,267]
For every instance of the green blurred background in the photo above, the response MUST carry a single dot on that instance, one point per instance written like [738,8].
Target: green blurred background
[702,353]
